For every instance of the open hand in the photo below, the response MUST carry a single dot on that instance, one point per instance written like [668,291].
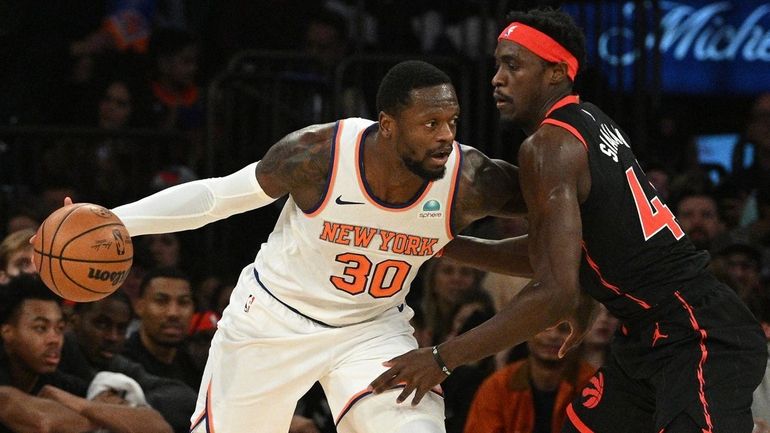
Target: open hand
[416,370]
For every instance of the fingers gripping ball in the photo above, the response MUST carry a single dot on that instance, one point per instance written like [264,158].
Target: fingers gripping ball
[83,252]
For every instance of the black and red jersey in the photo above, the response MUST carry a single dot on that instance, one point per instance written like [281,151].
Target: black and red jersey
[635,254]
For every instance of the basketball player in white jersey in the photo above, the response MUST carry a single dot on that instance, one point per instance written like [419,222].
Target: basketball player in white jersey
[368,203]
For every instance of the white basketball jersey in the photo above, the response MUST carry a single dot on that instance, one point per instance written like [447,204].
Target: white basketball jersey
[352,257]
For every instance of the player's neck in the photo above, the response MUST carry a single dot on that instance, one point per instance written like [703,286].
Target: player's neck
[387,176]
[164,354]
[548,102]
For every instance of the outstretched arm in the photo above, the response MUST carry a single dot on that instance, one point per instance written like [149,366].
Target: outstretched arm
[293,165]
[554,171]
[505,256]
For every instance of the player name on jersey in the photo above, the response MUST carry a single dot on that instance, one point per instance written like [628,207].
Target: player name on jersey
[384,240]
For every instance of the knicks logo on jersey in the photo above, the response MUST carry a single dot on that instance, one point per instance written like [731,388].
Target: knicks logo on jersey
[383,240]
[610,140]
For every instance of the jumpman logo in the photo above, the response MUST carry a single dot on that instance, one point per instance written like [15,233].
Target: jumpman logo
[594,391]
[657,335]
[509,31]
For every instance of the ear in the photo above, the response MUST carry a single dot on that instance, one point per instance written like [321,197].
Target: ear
[558,73]
[6,331]
[766,329]
[387,123]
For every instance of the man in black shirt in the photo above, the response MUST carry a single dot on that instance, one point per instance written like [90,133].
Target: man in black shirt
[96,338]
[165,306]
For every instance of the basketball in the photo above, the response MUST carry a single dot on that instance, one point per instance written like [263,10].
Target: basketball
[83,252]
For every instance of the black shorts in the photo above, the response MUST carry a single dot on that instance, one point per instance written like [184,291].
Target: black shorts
[688,367]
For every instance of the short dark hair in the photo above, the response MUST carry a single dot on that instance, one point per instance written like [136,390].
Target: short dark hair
[84,307]
[393,94]
[20,289]
[745,249]
[558,25]
[174,273]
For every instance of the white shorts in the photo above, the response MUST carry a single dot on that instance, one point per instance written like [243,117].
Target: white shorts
[265,357]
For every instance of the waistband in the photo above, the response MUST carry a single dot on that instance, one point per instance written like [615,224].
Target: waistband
[668,306]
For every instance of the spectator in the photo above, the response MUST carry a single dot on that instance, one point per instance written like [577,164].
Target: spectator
[660,178]
[740,264]
[94,342]
[22,217]
[16,255]
[126,27]
[530,396]
[165,307]
[117,174]
[36,396]
[698,214]
[733,200]
[165,250]
[757,134]
[596,344]
[178,103]
[446,285]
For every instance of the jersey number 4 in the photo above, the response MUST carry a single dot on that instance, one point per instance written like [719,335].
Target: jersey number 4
[653,214]
[358,275]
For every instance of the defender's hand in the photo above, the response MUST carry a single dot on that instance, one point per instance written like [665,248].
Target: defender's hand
[416,369]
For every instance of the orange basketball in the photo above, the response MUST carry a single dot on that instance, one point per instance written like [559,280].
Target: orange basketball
[83,252]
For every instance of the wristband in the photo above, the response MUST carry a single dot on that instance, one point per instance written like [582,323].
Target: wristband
[440,361]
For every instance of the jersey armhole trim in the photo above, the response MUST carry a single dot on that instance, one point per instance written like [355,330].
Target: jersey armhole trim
[333,164]
[453,189]
[571,129]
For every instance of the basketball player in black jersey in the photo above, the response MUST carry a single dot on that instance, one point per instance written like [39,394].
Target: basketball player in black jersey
[689,353]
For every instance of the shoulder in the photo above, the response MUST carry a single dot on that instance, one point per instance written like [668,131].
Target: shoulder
[552,149]
[314,138]
[297,162]
[486,187]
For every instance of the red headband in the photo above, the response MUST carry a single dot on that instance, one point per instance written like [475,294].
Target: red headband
[541,45]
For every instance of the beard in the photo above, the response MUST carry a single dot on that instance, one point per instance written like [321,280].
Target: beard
[417,168]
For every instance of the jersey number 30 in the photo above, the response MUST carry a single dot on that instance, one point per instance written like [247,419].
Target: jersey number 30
[358,275]
[653,214]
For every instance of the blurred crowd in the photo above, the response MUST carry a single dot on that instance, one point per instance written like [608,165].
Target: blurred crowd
[139,353]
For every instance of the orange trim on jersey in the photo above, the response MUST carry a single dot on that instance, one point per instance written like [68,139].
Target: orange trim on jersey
[577,422]
[569,99]
[703,355]
[206,412]
[333,174]
[366,195]
[610,286]
[450,197]
[571,129]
